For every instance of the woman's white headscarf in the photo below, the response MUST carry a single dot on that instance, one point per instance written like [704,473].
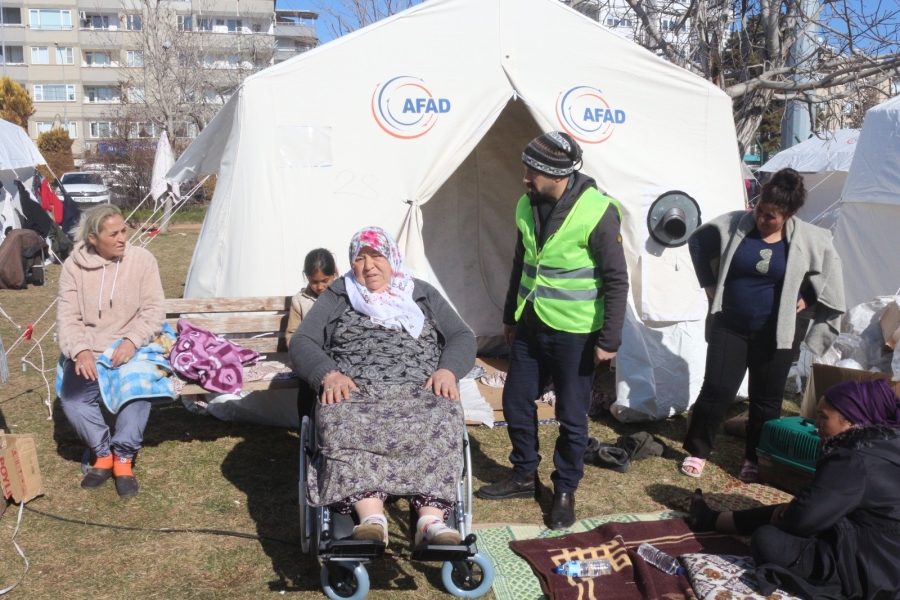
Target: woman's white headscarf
[394,308]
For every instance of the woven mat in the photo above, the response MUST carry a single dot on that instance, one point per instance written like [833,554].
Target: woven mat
[516,581]
[514,578]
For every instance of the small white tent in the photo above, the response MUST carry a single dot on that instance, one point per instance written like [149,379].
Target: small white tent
[18,158]
[824,163]
[867,230]
[417,124]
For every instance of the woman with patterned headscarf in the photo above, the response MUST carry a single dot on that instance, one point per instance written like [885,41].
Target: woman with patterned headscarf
[385,352]
[840,537]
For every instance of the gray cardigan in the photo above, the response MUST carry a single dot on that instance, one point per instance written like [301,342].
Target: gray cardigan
[812,264]
[311,342]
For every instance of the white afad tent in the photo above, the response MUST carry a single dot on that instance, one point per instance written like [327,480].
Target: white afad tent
[417,124]
[866,233]
[18,158]
[824,163]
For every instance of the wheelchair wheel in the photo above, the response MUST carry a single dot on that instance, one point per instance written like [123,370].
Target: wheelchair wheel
[468,579]
[306,511]
[345,580]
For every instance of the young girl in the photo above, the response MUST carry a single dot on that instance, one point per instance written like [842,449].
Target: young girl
[319,270]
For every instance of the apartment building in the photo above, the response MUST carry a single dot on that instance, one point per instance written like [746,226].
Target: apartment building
[75,56]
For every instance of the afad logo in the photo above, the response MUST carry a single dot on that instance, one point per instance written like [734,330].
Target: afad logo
[404,108]
[585,115]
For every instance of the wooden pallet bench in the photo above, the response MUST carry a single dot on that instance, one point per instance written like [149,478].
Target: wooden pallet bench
[255,323]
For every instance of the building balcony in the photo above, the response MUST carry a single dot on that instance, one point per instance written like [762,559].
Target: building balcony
[295,31]
[16,71]
[14,34]
[100,38]
[91,75]
[283,54]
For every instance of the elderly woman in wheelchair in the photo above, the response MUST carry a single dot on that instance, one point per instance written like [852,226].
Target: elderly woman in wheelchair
[385,352]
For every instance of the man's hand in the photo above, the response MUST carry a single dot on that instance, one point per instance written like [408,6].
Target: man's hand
[85,365]
[509,332]
[123,353]
[601,355]
[337,387]
[444,384]
[801,305]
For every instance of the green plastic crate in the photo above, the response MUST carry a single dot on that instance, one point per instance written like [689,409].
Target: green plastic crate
[788,452]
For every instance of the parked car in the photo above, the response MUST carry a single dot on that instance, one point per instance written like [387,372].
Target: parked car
[87,188]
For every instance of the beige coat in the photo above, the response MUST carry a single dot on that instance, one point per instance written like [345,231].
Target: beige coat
[301,304]
[102,301]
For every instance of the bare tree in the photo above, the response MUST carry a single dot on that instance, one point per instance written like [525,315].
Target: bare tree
[343,16]
[747,47]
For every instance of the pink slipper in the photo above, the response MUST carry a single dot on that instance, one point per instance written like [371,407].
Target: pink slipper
[695,463]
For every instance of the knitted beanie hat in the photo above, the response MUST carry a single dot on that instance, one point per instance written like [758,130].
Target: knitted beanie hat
[555,154]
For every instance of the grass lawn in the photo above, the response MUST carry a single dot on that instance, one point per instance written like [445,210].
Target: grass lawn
[197,472]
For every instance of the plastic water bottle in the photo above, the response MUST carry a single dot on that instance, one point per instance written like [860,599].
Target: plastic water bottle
[585,568]
[660,559]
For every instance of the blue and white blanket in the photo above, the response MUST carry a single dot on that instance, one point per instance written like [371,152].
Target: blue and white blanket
[146,375]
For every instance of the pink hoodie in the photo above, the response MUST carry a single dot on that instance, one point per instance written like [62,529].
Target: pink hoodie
[102,301]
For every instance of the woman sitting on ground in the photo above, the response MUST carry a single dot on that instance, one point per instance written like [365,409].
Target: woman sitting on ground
[384,352]
[840,537]
[103,267]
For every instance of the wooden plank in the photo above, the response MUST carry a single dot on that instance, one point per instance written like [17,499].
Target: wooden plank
[252,386]
[266,345]
[237,323]
[177,306]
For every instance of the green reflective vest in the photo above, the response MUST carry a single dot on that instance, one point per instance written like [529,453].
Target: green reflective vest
[563,280]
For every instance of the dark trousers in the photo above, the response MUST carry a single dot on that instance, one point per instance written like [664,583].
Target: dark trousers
[536,356]
[730,354]
[80,400]
[809,559]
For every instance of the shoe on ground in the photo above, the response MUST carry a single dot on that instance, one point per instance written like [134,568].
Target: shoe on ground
[510,488]
[562,515]
[126,486]
[94,478]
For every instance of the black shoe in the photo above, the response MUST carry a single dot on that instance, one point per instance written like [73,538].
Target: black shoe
[510,488]
[562,515]
[126,486]
[94,478]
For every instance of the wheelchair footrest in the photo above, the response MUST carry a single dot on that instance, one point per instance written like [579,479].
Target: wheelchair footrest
[442,553]
[359,549]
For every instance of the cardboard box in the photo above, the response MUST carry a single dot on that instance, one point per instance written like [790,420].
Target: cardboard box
[890,324]
[20,475]
[825,376]
[494,395]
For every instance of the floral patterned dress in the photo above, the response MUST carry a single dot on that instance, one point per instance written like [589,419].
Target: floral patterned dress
[393,437]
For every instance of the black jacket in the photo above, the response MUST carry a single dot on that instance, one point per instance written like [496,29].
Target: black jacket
[35,217]
[605,243]
[852,511]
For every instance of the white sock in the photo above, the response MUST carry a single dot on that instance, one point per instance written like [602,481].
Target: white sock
[379,518]
[426,523]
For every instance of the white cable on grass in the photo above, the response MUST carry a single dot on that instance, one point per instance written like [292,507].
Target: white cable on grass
[8,318]
[8,589]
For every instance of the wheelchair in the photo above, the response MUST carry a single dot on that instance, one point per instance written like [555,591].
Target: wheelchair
[326,535]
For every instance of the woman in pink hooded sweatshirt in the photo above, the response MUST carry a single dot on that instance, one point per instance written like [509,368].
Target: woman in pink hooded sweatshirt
[109,290]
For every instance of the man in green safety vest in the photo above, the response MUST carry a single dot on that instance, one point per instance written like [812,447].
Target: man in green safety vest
[564,313]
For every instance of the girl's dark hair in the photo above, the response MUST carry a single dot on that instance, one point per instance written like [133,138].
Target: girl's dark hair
[319,259]
[785,191]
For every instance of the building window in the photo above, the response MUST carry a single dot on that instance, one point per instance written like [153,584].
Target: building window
[101,129]
[101,94]
[65,56]
[257,27]
[205,25]
[133,22]
[54,93]
[185,130]
[95,22]
[15,55]
[143,130]
[895,87]
[12,16]
[43,127]
[234,25]
[97,59]
[135,58]
[40,55]
[50,19]
[618,22]
[185,23]
[136,94]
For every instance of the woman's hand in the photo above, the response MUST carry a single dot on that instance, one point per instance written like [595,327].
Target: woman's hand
[337,387]
[123,353]
[801,305]
[85,365]
[778,515]
[444,384]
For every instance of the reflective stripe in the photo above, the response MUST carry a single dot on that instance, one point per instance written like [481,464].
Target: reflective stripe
[559,294]
[523,292]
[529,270]
[563,273]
